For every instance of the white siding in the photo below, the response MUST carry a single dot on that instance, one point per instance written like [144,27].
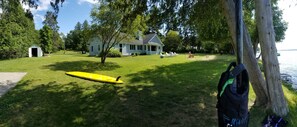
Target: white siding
[137,49]
[95,42]
[95,47]
[155,42]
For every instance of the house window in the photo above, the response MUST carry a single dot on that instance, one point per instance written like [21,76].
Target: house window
[159,47]
[139,47]
[92,49]
[132,47]
[149,48]
[154,48]
[144,47]
[98,47]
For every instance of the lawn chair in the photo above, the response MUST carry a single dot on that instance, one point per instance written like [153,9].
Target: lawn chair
[191,55]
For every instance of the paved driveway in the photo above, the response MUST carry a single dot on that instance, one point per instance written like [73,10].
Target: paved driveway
[9,79]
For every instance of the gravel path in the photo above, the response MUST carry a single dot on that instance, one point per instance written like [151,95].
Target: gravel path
[9,79]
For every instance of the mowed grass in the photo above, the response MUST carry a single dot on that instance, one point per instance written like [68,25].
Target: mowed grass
[173,91]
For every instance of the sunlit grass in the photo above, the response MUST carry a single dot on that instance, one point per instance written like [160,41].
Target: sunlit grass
[173,91]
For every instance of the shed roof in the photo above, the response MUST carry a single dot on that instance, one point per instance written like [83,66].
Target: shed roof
[34,46]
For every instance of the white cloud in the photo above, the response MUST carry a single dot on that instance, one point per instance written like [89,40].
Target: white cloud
[43,5]
[37,19]
[87,1]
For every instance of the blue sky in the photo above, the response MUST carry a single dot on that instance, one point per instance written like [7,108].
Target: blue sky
[74,11]
[70,13]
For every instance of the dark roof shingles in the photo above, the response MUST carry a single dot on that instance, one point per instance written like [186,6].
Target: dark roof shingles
[147,38]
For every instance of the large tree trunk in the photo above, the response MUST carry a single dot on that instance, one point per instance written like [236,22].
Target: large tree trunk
[277,101]
[103,58]
[249,60]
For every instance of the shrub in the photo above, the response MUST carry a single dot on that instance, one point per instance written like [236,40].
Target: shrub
[143,53]
[114,53]
[208,46]
[135,54]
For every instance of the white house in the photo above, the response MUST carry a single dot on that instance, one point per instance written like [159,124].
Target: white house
[35,51]
[148,44]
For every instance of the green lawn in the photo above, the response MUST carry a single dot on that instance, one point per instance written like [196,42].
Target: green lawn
[173,91]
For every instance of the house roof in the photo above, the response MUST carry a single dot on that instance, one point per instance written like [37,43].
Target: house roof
[146,39]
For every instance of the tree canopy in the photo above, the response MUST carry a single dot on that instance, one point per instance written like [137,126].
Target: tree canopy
[17,31]
[46,39]
[172,41]
[78,38]
[111,25]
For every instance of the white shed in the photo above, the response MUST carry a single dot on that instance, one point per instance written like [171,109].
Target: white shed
[35,51]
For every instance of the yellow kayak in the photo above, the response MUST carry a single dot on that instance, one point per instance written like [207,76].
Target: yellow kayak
[95,77]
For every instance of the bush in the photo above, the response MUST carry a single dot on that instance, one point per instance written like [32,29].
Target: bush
[135,54]
[114,53]
[208,46]
[143,53]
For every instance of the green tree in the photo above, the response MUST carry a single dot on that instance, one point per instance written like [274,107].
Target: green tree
[63,38]
[17,32]
[51,20]
[111,27]
[172,41]
[69,44]
[78,38]
[33,3]
[46,41]
[74,38]
[208,46]
[52,23]
[86,29]
[280,26]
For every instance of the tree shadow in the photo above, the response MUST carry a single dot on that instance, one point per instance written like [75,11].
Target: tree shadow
[257,114]
[176,95]
[54,104]
[86,66]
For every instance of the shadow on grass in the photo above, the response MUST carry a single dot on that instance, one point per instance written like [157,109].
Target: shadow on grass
[174,95]
[179,94]
[53,104]
[257,114]
[87,66]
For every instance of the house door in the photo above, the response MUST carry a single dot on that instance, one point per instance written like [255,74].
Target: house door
[34,52]
[121,47]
